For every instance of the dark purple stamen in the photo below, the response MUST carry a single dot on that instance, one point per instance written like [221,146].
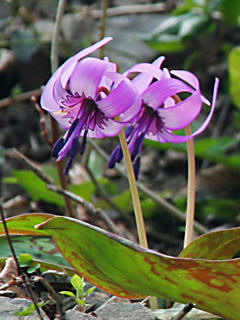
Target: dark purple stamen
[117,154]
[136,167]
[115,157]
[128,131]
[73,126]
[57,147]
[74,147]
[84,142]
[137,146]
[68,166]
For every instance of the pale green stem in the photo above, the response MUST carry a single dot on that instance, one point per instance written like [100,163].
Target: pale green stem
[191,191]
[134,192]
[136,203]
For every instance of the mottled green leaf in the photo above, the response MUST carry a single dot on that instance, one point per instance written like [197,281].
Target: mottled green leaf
[220,245]
[40,248]
[128,270]
[24,224]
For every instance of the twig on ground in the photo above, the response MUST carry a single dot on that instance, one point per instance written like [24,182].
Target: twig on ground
[53,294]
[88,206]
[20,97]
[171,209]
[106,197]
[50,184]
[181,314]
[42,121]
[129,9]
[30,164]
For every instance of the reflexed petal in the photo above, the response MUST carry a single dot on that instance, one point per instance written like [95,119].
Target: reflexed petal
[207,121]
[47,100]
[183,113]
[70,64]
[173,138]
[86,76]
[131,112]
[59,93]
[155,95]
[119,100]
[191,79]
[167,136]
[112,68]
[188,77]
[147,73]
[111,129]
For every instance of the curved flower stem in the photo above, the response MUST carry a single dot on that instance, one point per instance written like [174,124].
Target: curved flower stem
[191,191]
[142,236]
[171,209]
[54,125]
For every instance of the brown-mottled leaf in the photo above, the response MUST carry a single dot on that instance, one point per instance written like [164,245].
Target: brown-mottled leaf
[219,245]
[24,224]
[128,270]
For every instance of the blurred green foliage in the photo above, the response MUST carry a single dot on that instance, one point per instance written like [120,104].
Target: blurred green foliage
[191,20]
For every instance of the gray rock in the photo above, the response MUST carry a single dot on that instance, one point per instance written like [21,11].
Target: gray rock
[125,311]
[76,315]
[9,306]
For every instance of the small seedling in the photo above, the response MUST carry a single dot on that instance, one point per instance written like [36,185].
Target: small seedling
[81,295]
[29,310]
[26,261]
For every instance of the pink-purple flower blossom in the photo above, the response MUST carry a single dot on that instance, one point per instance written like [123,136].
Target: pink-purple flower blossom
[85,95]
[161,111]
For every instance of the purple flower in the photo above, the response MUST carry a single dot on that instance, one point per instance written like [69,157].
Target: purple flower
[160,113]
[85,95]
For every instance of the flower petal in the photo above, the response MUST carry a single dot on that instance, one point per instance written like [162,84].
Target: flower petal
[59,117]
[191,79]
[119,100]
[183,113]
[155,95]
[86,77]
[207,121]
[111,129]
[59,93]
[188,77]
[47,100]
[167,136]
[147,73]
[106,82]
[70,64]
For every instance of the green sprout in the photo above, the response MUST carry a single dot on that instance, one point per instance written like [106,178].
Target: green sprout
[23,312]
[81,295]
[26,261]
